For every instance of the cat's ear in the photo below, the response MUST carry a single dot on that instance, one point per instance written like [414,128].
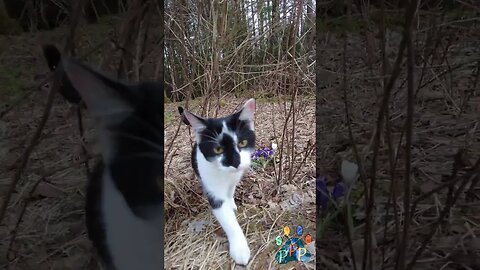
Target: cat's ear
[197,123]
[98,92]
[184,119]
[248,110]
[52,54]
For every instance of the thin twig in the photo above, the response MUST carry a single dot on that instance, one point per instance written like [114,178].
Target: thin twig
[408,147]
[381,115]
[355,150]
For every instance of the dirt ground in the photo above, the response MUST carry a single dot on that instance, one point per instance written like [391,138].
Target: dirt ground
[193,238]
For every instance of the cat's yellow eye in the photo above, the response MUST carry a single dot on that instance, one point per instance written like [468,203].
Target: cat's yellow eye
[243,143]
[218,150]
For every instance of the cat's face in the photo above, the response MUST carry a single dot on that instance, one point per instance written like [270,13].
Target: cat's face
[228,142]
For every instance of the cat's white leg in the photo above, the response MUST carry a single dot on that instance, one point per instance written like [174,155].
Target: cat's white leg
[239,250]
[231,192]
[234,206]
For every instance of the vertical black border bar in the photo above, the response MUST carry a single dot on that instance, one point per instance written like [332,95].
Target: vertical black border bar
[161,7]
[317,129]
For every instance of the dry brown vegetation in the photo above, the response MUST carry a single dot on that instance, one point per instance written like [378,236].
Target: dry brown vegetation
[415,205]
[43,226]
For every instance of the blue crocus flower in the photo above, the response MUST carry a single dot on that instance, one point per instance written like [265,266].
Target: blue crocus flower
[323,195]
[338,190]
[265,153]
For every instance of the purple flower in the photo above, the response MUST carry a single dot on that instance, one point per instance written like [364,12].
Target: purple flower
[338,190]
[265,153]
[324,196]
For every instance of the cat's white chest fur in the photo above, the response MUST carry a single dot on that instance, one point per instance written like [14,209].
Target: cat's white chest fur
[221,183]
[133,243]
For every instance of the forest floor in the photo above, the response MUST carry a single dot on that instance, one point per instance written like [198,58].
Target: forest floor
[446,121]
[43,229]
[44,226]
[193,237]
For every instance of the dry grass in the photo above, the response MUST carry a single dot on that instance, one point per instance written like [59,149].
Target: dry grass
[51,234]
[263,207]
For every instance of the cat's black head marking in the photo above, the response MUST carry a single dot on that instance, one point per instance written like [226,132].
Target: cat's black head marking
[53,56]
[224,140]
[184,119]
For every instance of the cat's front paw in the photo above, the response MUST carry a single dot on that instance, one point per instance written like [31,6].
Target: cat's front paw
[240,252]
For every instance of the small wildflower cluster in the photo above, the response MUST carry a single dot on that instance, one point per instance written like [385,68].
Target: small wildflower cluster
[323,194]
[263,155]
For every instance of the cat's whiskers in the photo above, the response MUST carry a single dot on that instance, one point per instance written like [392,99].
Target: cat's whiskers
[214,137]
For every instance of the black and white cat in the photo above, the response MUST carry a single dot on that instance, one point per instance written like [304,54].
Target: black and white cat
[124,207]
[220,157]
